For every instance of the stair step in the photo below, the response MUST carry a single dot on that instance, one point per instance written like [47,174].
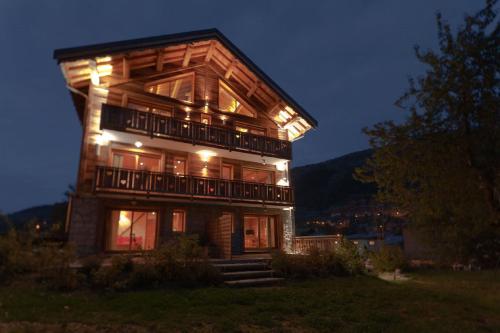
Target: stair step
[238,261]
[254,282]
[242,266]
[239,275]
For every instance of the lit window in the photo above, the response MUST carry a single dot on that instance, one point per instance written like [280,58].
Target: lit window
[179,87]
[131,230]
[257,176]
[231,102]
[179,221]
[180,166]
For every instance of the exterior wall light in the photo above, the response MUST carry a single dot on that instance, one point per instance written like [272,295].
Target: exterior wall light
[138,144]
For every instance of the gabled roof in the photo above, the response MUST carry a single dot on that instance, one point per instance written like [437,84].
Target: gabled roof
[106,49]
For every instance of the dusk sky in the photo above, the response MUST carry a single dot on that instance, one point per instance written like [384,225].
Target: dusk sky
[345,62]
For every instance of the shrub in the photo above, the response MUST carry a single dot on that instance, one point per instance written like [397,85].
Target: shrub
[350,257]
[342,260]
[90,265]
[115,275]
[54,266]
[388,259]
[16,255]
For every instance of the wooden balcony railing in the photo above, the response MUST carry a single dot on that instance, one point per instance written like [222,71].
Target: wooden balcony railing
[109,179]
[304,244]
[155,125]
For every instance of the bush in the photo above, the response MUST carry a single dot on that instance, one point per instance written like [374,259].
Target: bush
[350,257]
[16,255]
[54,266]
[341,261]
[90,265]
[388,259]
[114,276]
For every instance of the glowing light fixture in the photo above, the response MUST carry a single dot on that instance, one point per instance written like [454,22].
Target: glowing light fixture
[281,166]
[94,74]
[124,221]
[205,155]
[138,144]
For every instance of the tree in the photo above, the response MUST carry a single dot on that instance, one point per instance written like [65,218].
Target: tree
[442,164]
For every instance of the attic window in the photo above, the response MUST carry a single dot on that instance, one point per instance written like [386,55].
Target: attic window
[179,87]
[229,101]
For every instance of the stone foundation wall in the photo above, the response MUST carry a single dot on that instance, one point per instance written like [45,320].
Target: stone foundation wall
[84,225]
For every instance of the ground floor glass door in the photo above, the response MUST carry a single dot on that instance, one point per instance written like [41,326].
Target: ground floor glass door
[259,232]
[131,230]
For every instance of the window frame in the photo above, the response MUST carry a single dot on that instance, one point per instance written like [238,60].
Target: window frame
[148,85]
[184,218]
[237,97]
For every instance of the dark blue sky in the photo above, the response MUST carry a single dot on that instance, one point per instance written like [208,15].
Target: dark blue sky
[344,61]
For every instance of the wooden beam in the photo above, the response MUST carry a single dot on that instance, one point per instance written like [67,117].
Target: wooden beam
[126,68]
[124,100]
[187,56]
[253,89]
[230,69]
[289,121]
[210,51]
[159,60]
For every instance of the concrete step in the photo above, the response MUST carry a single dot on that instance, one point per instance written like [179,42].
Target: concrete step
[248,266]
[242,275]
[254,282]
[238,261]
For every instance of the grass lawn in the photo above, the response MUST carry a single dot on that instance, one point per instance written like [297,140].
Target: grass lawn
[432,301]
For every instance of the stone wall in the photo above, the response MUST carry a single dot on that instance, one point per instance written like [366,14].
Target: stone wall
[84,225]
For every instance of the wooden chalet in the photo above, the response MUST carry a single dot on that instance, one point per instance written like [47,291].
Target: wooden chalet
[182,133]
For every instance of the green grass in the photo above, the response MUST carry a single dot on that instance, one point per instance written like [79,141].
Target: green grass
[430,302]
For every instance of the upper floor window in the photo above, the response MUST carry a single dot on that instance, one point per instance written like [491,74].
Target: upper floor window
[229,101]
[179,87]
[257,175]
[136,161]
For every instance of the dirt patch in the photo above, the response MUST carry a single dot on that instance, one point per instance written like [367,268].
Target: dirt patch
[27,327]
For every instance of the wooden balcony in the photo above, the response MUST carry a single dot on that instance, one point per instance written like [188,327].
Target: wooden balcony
[117,180]
[157,126]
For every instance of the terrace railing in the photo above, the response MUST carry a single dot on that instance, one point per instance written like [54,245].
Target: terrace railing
[110,179]
[155,125]
[304,244]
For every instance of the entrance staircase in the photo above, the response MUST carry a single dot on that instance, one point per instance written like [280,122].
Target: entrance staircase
[247,272]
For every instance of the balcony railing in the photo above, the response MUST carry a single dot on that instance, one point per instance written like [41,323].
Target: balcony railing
[109,179]
[155,125]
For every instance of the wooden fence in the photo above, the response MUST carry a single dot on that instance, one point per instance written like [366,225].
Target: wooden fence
[304,244]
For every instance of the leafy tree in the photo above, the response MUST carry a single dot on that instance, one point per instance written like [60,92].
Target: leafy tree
[442,164]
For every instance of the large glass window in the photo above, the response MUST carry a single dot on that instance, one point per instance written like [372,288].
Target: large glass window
[136,161]
[260,232]
[131,230]
[257,176]
[229,101]
[179,87]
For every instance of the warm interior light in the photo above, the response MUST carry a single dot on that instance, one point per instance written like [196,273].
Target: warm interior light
[206,154]
[138,144]
[281,166]
[94,77]
[124,221]
[103,139]
[283,182]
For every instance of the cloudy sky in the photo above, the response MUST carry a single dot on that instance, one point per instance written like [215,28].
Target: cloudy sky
[344,61]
